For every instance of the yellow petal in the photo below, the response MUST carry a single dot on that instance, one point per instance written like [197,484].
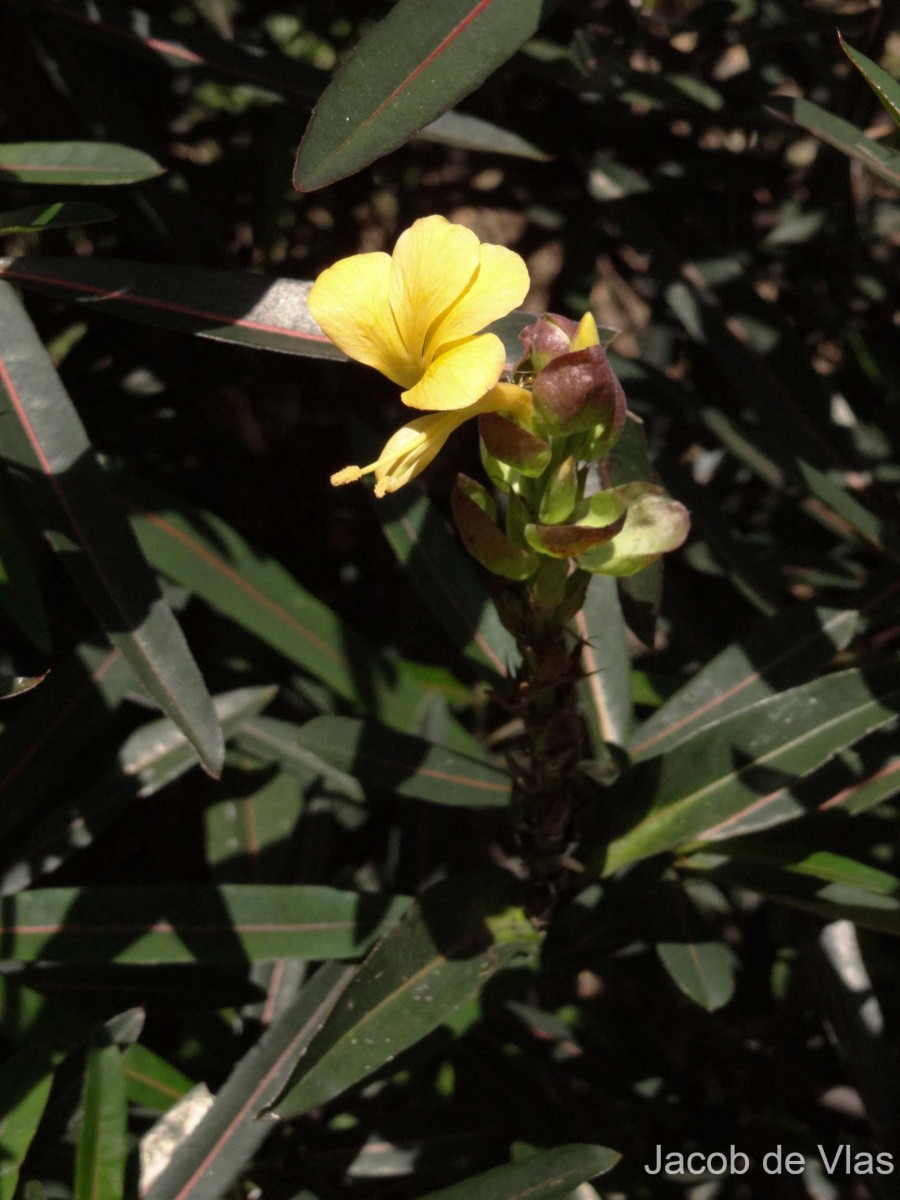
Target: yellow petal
[432,265]
[351,303]
[414,445]
[586,334]
[500,283]
[459,375]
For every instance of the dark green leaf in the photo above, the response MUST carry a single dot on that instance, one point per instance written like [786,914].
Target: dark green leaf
[20,593]
[606,689]
[420,60]
[840,134]
[472,133]
[776,655]
[885,87]
[201,552]
[459,933]
[207,1162]
[152,1082]
[737,777]
[102,1143]
[25,1081]
[551,1175]
[89,163]
[161,924]
[44,442]
[405,765]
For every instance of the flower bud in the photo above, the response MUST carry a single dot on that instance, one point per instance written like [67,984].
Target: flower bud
[474,512]
[553,335]
[577,392]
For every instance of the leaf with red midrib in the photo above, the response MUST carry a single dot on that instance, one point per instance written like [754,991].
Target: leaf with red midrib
[415,64]
[52,462]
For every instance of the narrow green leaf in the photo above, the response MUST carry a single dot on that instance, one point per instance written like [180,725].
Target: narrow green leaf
[420,60]
[472,133]
[44,442]
[606,689]
[777,654]
[551,1175]
[200,551]
[102,1138]
[25,1081]
[150,758]
[88,163]
[209,1159]
[832,901]
[453,939]
[228,306]
[276,741]
[885,87]
[737,776]
[151,1081]
[403,764]
[249,833]
[38,217]
[159,924]
[823,865]
[840,134]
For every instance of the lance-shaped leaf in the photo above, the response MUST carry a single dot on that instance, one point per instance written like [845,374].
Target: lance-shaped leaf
[840,134]
[50,458]
[25,1081]
[551,1175]
[606,687]
[741,772]
[777,654]
[200,551]
[102,1138]
[206,1163]
[453,939]
[158,924]
[228,306]
[151,1081]
[482,536]
[406,765]
[416,63]
[848,894]
[89,163]
[885,87]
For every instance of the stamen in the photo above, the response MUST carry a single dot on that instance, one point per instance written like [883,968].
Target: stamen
[347,475]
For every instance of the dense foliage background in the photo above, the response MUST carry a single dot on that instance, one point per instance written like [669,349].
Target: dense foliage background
[666,165]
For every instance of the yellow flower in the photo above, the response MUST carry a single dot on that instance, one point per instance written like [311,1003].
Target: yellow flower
[415,315]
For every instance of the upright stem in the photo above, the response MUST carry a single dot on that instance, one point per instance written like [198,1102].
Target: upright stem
[546,785]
